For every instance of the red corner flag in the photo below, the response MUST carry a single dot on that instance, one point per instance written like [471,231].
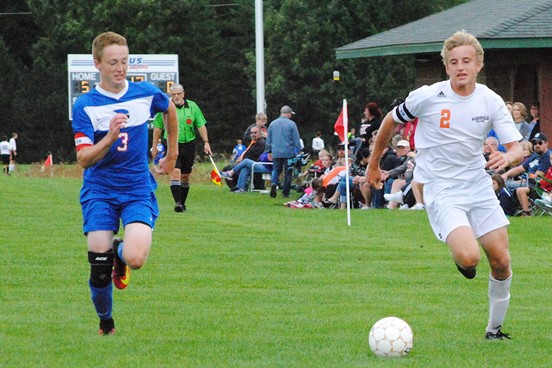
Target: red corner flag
[49,161]
[215,178]
[341,124]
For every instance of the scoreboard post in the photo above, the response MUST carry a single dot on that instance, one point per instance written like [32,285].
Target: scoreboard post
[160,70]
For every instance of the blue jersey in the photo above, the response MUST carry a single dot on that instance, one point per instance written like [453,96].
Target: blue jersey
[125,166]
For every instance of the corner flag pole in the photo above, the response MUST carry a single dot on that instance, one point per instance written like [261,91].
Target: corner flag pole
[346,142]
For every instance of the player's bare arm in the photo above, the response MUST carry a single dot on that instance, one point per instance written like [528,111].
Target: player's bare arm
[170,120]
[500,160]
[385,133]
[88,156]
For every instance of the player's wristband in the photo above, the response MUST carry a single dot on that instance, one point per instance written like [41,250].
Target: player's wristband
[205,142]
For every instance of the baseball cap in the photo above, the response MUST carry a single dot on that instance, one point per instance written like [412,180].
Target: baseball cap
[286,110]
[403,143]
[539,137]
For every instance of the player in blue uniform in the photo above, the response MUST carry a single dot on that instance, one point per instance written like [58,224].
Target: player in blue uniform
[111,138]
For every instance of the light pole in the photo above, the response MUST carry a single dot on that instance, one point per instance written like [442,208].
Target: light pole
[259,56]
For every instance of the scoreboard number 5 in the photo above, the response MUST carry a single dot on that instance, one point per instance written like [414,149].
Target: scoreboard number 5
[445,119]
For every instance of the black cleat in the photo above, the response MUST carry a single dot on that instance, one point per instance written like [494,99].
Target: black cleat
[178,207]
[499,335]
[273,190]
[107,327]
[468,273]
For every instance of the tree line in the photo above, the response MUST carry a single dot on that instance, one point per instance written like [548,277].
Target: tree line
[215,41]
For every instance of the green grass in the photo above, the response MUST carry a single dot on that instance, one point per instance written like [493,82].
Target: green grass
[240,281]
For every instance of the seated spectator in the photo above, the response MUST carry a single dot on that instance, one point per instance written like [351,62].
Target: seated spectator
[537,165]
[514,182]
[506,199]
[312,197]
[546,185]
[253,153]
[244,170]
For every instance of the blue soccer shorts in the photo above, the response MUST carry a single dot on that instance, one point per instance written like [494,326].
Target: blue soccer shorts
[102,211]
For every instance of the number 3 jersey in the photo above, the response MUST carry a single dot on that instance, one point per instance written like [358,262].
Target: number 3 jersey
[125,166]
[452,129]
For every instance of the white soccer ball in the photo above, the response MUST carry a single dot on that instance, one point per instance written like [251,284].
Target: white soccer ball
[391,337]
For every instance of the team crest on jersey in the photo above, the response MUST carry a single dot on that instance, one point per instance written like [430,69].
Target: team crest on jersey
[123,111]
[480,119]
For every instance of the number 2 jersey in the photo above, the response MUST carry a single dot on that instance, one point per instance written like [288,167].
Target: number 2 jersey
[125,166]
[452,129]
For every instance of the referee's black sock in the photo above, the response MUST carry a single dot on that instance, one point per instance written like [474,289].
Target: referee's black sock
[184,189]
[175,190]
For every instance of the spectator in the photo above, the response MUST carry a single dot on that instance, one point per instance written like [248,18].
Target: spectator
[160,152]
[534,124]
[260,122]
[239,148]
[506,199]
[368,125]
[5,153]
[516,181]
[519,112]
[13,145]
[312,198]
[282,144]
[546,185]
[317,144]
[537,165]
[509,106]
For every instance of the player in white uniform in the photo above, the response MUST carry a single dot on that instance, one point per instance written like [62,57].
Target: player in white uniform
[454,119]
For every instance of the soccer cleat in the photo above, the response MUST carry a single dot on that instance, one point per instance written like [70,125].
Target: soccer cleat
[499,335]
[107,327]
[468,273]
[178,207]
[121,272]
[273,188]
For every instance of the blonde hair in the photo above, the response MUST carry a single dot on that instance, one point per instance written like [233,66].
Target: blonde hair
[528,145]
[260,115]
[522,109]
[106,39]
[462,38]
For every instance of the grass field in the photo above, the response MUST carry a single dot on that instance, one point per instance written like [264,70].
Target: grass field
[240,281]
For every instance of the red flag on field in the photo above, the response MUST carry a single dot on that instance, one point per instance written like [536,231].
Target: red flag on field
[215,178]
[341,124]
[49,161]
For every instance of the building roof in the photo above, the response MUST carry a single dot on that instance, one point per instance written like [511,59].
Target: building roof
[497,24]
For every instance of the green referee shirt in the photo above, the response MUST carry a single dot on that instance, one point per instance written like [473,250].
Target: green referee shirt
[189,118]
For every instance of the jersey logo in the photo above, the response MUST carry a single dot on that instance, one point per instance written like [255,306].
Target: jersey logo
[441,94]
[480,119]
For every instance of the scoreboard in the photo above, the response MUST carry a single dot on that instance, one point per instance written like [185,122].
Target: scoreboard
[159,70]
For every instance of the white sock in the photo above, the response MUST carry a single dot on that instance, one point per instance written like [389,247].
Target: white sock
[499,300]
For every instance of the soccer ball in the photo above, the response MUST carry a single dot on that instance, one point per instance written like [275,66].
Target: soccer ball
[391,337]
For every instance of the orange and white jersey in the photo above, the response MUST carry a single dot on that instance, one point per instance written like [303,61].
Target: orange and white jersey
[452,129]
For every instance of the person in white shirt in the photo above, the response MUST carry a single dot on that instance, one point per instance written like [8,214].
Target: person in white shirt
[317,144]
[13,151]
[5,154]
[454,118]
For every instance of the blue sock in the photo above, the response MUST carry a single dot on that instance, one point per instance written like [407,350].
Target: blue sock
[103,300]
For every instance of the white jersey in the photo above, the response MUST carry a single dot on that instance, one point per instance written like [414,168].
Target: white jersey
[452,129]
[13,144]
[5,148]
